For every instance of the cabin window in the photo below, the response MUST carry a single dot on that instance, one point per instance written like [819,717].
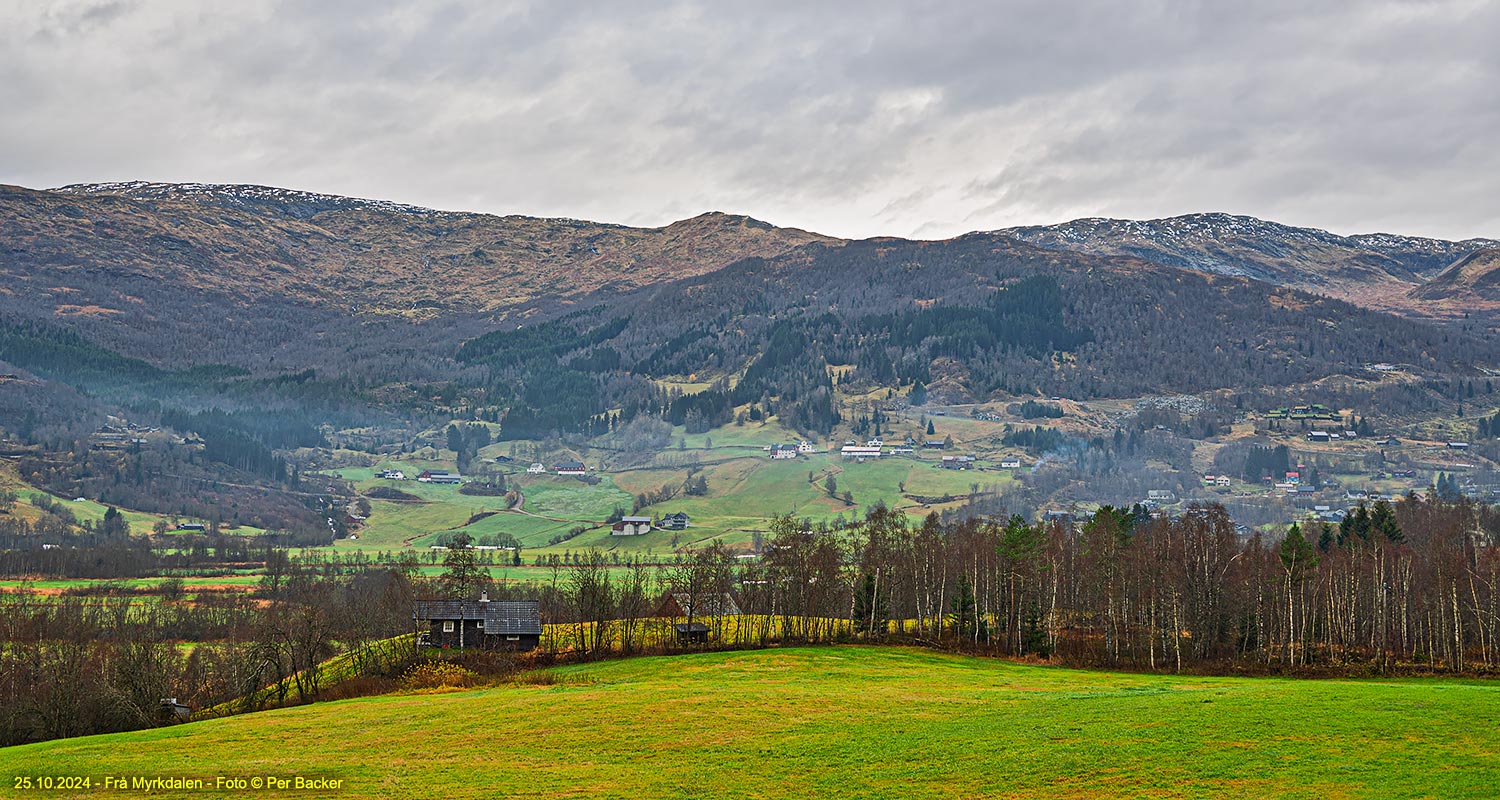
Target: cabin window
[448,627]
[512,638]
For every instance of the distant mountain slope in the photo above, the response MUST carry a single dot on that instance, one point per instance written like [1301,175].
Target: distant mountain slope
[1475,278]
[971,318]
[252,241]
[275,280]
[1376,270]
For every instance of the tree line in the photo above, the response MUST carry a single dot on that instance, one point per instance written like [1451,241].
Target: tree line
[1413,585]
[80,665]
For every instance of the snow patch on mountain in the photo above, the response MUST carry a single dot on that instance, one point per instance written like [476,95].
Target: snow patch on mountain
[1231,244]
[299,203]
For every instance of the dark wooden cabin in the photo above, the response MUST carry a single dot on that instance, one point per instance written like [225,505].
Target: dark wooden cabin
[499,625]
[691,633]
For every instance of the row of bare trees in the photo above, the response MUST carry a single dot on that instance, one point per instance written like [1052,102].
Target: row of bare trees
[1415,584]
[77,665]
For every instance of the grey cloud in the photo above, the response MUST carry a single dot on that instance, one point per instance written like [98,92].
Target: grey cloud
[851,118]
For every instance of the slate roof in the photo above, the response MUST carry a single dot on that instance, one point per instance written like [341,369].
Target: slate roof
[504,617]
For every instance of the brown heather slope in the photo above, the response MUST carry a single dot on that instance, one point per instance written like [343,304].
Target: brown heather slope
[1474,278]
[80,249]
[1470,285]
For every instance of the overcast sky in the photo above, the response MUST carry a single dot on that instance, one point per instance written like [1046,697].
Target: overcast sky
[859,119]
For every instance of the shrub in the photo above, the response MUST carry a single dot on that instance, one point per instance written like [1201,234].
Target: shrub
[388,493]
[437,675]
[172,589]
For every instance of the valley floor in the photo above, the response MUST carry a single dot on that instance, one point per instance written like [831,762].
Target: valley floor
[838,722]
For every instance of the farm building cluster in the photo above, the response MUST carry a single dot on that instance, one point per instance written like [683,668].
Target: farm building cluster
[516,625]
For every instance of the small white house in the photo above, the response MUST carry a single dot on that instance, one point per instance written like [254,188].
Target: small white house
[1010,463]
[536,468]
[805,446]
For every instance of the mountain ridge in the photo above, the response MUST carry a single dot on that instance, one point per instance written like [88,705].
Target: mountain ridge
[243,195]
[1376,270]
[303,204]
[141,266]
[560,255]
[250,241]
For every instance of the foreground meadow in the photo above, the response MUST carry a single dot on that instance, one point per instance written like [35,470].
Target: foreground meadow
[840,721]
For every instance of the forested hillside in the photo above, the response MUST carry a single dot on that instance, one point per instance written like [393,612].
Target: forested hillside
[967,320]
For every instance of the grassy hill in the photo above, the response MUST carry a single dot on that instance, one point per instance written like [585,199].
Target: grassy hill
[746,489]
[848,721]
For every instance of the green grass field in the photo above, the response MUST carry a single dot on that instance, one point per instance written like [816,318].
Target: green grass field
[141,522]
[746,490]
[843,722]
[571,499]
[188,584]
[531,532]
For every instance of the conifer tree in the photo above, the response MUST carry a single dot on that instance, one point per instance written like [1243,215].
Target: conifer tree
[963,606]
[871,609]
